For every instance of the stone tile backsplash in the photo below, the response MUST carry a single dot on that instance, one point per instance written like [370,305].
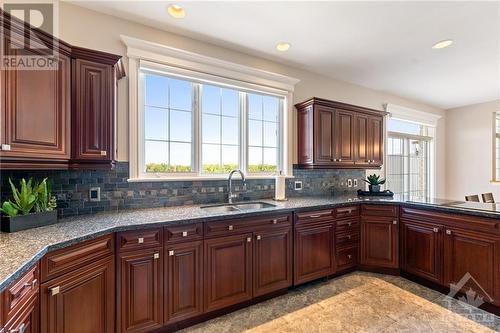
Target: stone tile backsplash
[71,187]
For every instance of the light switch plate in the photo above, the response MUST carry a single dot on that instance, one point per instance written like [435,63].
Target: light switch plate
[349,183]
[95,194]
[355,183]
[298,185]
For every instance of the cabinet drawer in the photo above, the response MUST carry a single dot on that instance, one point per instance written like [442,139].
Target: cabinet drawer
[26,319]
[343,212]
[230,227]
[380,210]
[182,233]
[139,239]
[20,292]
[348,238]
[65,260]
[347,225]
[314,216]
[347,257]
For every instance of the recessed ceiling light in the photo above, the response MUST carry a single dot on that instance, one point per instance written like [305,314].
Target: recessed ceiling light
[283,46]
[176,11]
[442,44]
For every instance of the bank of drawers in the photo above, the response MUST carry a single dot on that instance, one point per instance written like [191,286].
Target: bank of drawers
[347,237]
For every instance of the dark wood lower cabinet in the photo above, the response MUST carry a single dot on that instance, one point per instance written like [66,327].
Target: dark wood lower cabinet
[272,261]
[27,320]
[82,301]
[421,250]
[314,252]
[141,290]
[183,281]
[472,261]
[379,241]
[228,271]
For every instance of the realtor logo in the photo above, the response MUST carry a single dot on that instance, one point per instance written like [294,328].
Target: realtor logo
[475,296]
[37,22]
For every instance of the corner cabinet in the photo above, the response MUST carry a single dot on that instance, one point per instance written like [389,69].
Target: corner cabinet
[338,135]
[61,117]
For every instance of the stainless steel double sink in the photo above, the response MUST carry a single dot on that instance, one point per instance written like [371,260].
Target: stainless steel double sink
[237,207]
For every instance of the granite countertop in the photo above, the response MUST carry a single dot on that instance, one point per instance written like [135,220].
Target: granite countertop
[20,250]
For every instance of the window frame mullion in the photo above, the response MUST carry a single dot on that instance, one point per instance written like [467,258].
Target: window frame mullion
[243,140]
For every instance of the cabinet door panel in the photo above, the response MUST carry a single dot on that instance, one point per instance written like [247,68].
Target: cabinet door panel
[141,290]
[343,137]
[27,320]
[93,121]
[304,136]
[421,247]
[376,140]
[228,271]
[36,111]
[472,260]
[183,283]
[313,253]
[272,261]
[379,241]
[324,148]
[363,141]
[82,301]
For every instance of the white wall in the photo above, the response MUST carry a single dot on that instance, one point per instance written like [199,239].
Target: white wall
[86,28]
[469,155]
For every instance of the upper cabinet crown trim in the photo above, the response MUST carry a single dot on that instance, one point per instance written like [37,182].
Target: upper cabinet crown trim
[338,105]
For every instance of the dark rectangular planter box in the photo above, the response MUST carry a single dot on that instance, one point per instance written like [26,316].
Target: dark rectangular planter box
[23,222]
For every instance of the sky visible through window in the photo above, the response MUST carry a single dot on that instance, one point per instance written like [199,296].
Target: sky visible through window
[169,123]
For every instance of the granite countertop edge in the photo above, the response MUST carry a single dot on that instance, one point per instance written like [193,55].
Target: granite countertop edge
[12,267]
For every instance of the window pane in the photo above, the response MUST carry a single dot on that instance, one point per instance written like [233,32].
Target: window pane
[270,134]
[156,153]
[254,106]
[271,108]
[230,157]
[210,99]
[156,90]
[254,158]
[230,130]
[230,102]
[254,133]
[156,123]
[180,95]
[180,126]
[211,129]
[394,125]
[270,159]
[180,157]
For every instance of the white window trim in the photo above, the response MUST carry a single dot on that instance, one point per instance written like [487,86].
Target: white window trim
[185,63]
[494,179]
[419,117]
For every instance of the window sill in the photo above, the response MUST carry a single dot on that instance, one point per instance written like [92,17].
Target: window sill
[197,178]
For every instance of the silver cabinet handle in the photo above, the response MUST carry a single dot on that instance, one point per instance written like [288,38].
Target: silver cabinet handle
[448,232]
[104,153]
[140,240]
[249,239]
[435,229]
[349,237]
[275,221]
[315,216]
[230,227]
[171,253]
[340,160]
[31,284]
[349,224]
[395,222]
[156,256]
[55,290]
[20,329]
[349,256]
[184,234]
[259,237]
[5,147]
[335,160]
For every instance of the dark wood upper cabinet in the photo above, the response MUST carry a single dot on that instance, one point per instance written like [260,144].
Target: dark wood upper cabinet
[140,290]
[272,261]
[183,281]
[88,292]
[379,241]
[228,271]
[61,117]
[421,250]
[338,135]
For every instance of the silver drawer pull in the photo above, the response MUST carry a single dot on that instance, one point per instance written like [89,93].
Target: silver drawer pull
[55,290]
[315,216]
[156,256]
[249,239]
[104,153]
[395,222]
[140,240]
[435,229]
[230,228]
[448,232]
[31,284]
[259,237]
[275,221]
[5,147]
[171,253]
[20,329]
[184,234]
[349,237]
[349,256]
[349,224]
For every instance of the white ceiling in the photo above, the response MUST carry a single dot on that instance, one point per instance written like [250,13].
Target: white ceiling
[381,45]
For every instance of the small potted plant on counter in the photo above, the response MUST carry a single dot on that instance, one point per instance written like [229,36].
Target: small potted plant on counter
[32,206]
[374,183]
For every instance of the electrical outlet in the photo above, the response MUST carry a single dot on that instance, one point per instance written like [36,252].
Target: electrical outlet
[95,194]
[297,185]
[355,183]
[349,183]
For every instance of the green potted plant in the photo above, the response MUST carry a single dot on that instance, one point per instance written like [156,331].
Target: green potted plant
[374,183]
[32,206]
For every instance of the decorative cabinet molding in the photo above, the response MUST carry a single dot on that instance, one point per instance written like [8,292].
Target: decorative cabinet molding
[338,135]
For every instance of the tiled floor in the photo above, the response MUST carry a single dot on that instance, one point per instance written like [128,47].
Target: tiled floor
[357,302]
